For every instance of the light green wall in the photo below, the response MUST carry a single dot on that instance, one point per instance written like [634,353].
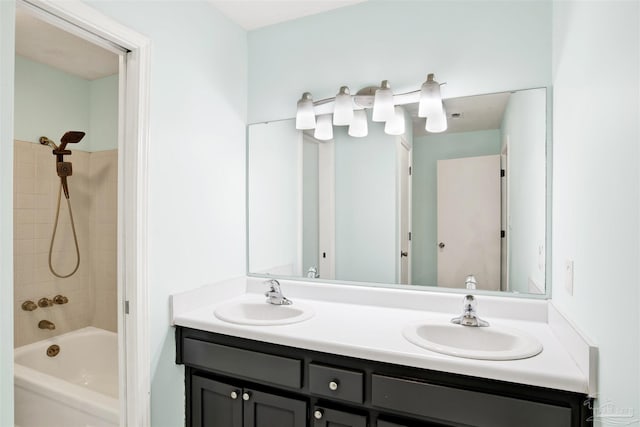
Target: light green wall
[49,102]
[103,113]
[7,46]
[196,158]
[596,188]
[475,46]
[427,150]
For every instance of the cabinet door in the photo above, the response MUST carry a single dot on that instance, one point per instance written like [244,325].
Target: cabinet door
[269,410]
[323,417]
[214,404]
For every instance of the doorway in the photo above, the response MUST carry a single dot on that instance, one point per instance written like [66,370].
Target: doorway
[129,189]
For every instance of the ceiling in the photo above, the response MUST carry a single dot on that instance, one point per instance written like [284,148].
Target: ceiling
[254,14]
[47,44]
[481,112]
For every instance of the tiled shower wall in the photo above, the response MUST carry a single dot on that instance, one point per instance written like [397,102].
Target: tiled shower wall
[92,290]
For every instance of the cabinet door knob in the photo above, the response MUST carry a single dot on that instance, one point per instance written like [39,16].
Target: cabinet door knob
[441,245]
[333,385]
[317,414]
[234,395]
[246,395]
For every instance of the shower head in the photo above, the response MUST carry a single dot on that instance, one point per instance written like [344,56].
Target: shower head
[46,141]
[71,137]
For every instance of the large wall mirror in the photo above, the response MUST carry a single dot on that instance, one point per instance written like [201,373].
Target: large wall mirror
[418,209]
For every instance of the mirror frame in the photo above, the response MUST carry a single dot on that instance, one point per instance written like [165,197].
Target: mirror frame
[434,288]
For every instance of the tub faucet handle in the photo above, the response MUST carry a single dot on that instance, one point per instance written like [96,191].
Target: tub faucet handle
[29,305]
[59,299]
[45,324]
[45,302]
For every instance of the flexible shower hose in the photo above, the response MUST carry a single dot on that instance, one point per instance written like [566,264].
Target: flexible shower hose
[53,237]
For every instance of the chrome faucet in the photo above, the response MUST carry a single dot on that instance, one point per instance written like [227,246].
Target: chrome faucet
[469,316]
[45,324]
[312,272]
[274,294]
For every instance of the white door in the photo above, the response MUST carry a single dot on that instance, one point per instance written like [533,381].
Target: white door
[469,221]
[326,210]
[404,212]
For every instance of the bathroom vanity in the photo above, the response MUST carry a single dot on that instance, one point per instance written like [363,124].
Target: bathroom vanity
[235,382]
[348,365]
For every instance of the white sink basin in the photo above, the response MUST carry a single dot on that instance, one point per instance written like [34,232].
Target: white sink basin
[256,311]
[486,343]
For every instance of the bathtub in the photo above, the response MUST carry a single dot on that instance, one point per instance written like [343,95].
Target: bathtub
[78,387]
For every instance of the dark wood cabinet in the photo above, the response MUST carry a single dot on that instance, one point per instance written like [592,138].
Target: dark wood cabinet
[218,404]
[236,382]
[326,417]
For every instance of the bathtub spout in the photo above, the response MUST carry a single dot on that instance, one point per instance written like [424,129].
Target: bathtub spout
[45,324]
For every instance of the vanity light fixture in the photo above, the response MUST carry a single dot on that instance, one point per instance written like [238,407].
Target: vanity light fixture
[343,108]
[349,110]
[359,127]
[395,126]
[305,117]
[324,129]
[383,103]
[437,122]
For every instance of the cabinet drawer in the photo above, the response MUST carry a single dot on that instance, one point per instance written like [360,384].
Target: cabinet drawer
[324,417]
[243,363]
[462,406]
[336,383]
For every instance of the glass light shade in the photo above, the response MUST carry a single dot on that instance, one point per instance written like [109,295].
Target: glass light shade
[437,122]
[343,108]
[324,128]
[305,116]
[395,126]
[430,98]
[359,127]
[383,103]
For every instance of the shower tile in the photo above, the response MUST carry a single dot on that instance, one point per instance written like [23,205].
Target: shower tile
[24,201]
[24,216]
[23,246]
[24,186]
[24,231]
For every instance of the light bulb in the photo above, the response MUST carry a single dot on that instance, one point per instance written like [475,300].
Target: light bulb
[324,128]
[343,108]
[358,127]
[437,122]
[383,103]
[305,116]
[430,98]
[395,126]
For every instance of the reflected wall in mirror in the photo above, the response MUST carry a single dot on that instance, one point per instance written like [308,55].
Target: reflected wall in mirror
[415,209]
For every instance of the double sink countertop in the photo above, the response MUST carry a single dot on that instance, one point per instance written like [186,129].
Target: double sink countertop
[367,323]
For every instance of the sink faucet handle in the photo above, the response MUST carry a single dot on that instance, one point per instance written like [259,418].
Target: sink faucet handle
[274,294]
[470,282]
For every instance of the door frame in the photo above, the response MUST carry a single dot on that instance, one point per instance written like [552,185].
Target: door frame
[133,141]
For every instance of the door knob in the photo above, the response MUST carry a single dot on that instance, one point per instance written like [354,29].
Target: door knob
[234,395]
[317,414]
[441,245]
[246,396]
[333,385]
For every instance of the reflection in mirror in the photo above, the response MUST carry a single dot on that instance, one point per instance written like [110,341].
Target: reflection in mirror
[415,209]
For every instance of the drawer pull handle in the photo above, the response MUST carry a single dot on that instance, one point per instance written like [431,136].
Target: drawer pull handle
[234,395]
[317,414]
[246,396]
[333,385]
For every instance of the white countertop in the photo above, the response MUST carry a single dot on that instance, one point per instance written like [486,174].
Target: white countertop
[367,323]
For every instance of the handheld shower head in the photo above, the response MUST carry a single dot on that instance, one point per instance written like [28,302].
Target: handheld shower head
[46,141]
[71,137]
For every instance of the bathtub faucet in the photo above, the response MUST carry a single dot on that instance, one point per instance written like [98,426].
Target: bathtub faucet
[45,324]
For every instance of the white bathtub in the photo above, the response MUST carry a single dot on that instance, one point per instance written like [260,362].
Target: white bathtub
[76,388]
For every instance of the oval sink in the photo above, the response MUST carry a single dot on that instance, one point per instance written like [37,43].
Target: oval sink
[486,343]
[259,312]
